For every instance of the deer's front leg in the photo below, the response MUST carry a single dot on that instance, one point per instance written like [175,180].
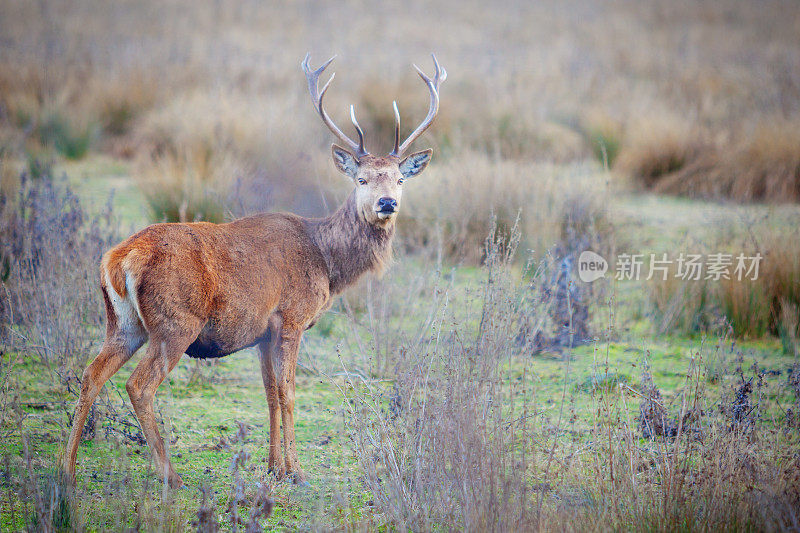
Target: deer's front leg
[268,352]
[286,359]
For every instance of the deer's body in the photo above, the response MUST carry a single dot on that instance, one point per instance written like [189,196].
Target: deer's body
[209,290]
[233,277]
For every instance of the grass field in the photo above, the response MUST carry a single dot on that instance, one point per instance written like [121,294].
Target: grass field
[479,385]
[204,417]
[203,404]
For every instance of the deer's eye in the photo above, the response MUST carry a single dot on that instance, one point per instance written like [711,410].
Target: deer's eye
[400,181]
[362,181]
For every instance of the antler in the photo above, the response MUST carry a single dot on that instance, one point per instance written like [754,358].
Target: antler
[317,96]
[439,76]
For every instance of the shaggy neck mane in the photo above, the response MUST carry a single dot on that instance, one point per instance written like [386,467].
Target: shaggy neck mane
[350,245]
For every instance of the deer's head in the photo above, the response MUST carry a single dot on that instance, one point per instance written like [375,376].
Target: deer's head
[378,179]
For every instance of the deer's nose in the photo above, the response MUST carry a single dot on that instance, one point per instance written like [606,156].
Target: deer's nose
[387,205]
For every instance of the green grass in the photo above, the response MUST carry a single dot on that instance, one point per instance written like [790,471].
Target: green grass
[201,413]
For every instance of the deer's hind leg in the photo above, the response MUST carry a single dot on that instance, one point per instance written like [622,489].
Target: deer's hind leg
[124,335]
[163,353]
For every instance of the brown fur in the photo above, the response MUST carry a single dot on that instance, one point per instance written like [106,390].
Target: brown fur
[212,289]
[350,246]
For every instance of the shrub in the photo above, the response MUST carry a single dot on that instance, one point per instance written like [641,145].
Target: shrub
[383,316]
[52,247]
[440,453]
[69,137]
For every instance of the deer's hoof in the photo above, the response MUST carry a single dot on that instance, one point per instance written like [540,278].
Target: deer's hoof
[278,472]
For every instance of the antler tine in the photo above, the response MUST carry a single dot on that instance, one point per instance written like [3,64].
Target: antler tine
[396,150]
[439,76]
[317,96]
[358,130]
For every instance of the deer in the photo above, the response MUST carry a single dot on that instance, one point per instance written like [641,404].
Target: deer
[209,290]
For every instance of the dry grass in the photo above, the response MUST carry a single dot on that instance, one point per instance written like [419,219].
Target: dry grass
[451,206]
[672,155]
[683,306]
[188,186]
[547,87]
[764,167]
[71,109]
[208,155]
[122,98]
[753,308]
[657,145]
[771,302]
[604,133]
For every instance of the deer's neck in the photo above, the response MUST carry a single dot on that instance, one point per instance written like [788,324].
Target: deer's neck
[350,245]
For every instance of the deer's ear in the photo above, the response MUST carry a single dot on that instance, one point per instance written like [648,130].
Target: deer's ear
[415,163]
[344,161]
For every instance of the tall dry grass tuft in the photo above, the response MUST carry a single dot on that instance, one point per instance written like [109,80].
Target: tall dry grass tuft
[754,308]
[772,301]
[655,146]
[603,133]
[764,167]
[188,185]
[684,306]
[205,157]
[509,128]
[119,101]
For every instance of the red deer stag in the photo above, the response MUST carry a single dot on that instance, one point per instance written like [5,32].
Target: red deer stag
[209,290]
